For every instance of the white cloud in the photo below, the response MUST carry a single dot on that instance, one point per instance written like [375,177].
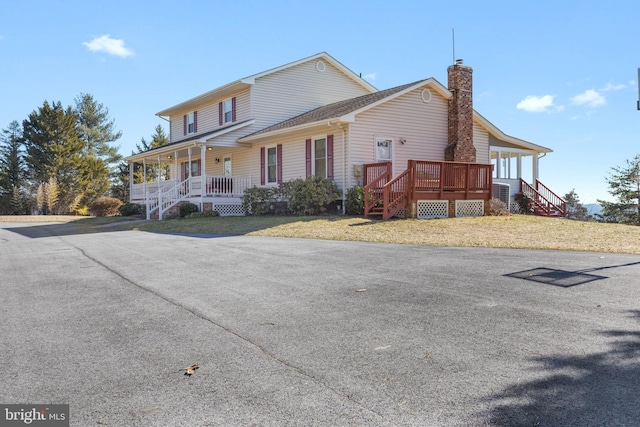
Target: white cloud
[370,76]
[611,86]
[108,45]
[536,104]
[590,98]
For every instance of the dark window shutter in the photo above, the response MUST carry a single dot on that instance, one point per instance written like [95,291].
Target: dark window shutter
[195,121]
[184,124]
[279,164]
[308,144]
[233,109]
[220,113]
[330,156]
[262,159]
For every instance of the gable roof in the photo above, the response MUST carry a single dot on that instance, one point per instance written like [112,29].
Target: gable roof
[344,110]
[246,82]
[498,134]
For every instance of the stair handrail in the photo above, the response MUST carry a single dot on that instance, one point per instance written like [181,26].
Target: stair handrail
[396,193]
[174,195]
[539,199]
[375,186]
[556,201]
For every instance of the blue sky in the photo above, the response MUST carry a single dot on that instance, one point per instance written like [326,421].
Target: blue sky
[562,74]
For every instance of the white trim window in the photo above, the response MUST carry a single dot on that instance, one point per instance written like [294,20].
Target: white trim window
[227,110]
[319,157]
[383,148]
[226,165]
[191,122]
[272,165]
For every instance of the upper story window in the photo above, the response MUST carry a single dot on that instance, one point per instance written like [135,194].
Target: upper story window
[190,122]
[227,111]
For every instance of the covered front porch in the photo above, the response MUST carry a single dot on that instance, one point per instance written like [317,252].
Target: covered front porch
[163,178]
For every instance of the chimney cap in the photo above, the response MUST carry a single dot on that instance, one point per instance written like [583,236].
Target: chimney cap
[459,62]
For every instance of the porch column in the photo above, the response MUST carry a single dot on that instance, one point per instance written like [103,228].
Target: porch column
[176,170]
[203,173]
[519,166]
[144,176]
[535,167]
[131,166]
[189,168]
[499,165]
[158,173]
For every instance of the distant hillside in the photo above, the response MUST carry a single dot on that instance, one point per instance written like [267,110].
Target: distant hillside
[593,208]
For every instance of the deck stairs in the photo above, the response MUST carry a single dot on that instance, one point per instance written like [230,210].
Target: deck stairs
[545,202]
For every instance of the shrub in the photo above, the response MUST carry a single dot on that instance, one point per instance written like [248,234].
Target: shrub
[208,214]
[309,196]
[355,201]
[187,209]
[106,206]
[131,209]
[498,208]
[525,204]
[262,201]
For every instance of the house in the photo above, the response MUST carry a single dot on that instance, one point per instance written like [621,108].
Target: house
[419,148]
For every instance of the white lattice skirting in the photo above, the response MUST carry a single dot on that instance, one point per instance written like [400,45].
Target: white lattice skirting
[229,209]
[469,208]
[428,209]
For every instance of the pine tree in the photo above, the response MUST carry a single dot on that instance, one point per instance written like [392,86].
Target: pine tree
[55,150]
[624,185]
[158,139]
[12,166]
[575,210]
[96,129]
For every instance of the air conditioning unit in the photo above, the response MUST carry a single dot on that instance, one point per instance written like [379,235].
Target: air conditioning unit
[502,192]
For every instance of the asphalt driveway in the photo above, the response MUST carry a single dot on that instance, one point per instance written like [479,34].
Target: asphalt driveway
[314,333]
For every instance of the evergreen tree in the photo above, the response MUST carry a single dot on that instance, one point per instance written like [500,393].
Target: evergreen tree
[575,210]
[55,150]
[96,129]
[12,167]
[158,139]
[624,185]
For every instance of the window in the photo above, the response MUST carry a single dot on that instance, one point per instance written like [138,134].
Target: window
[190,122]
[383,149]
[272,165]
[228,111]
[320,157]
[227,165]
[190,171]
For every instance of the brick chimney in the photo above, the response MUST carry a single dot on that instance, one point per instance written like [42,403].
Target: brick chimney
[460,147]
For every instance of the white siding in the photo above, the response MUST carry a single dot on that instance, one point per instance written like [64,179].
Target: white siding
[293,91]
[208,117]
[246,161]
[481,142]
[423,125]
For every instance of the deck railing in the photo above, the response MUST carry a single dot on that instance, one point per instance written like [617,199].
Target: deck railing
[545,201]
[423,179]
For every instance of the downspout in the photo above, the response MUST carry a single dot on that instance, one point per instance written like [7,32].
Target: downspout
[340,127]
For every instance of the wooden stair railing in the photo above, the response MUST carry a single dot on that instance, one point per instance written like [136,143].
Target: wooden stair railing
[376,175]
[556,201]
[557,206]
[397,193]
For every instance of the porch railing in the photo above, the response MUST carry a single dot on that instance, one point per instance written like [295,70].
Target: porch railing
[232,186]
[546,202]
[139,191]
